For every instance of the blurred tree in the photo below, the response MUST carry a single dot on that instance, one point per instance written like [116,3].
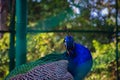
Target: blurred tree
[3,16]
[82,17]
[77,19]
[42,9]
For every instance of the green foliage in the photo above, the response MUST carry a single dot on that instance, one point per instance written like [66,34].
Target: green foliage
[42,44]
[4,46]
[103,56]
[4,43]
[45,9]
[104,52]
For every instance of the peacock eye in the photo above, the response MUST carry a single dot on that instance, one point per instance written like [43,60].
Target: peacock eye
[65,44]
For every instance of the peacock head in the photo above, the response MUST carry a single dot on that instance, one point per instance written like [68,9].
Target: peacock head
[69,42]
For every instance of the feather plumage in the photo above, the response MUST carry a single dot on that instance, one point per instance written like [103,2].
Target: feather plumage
[51,71]
[79,57]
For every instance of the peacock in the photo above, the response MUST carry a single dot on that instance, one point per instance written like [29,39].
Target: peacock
[74,64]
[79,57]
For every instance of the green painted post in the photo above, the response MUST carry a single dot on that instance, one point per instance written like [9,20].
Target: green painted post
[117,64]
[12,36]
[21,23]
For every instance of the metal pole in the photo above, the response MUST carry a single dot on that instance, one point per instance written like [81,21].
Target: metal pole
[12,36]
[21,23]
[117,72]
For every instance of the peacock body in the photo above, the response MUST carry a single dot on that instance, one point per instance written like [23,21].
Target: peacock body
[52,71]
[74,64]
[25,69]
[79,57]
